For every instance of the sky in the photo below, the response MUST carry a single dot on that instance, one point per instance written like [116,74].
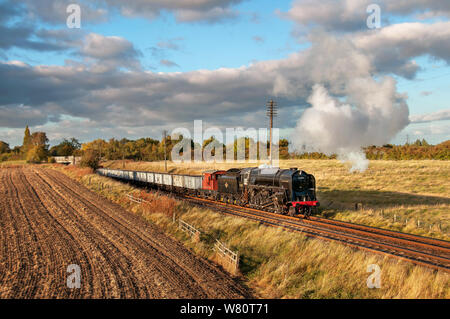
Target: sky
[135,68]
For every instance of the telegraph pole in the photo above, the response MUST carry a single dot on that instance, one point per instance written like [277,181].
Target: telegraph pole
[271,112]
[165,153]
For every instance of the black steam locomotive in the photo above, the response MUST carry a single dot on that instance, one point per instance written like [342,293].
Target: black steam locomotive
[271,189]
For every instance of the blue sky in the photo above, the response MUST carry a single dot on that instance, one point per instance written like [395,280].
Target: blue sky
[156,41]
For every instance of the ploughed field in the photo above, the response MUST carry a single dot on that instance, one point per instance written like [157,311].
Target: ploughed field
[48,222]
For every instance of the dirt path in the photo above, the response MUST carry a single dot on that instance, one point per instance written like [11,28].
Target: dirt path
[48,222]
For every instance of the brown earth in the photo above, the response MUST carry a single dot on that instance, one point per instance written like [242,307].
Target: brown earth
[48,221]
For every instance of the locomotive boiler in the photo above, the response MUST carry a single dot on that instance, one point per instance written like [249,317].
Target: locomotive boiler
[271,189]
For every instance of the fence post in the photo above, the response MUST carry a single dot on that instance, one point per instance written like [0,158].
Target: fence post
[226,257]
[196,237]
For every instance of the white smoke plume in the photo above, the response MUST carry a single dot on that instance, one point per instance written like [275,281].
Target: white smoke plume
[372,114]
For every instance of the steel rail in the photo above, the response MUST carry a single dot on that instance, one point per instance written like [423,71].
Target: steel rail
[387,247]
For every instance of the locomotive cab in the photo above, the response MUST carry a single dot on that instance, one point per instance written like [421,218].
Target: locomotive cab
[210,180]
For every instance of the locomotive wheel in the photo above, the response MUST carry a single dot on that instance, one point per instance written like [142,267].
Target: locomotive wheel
[292,211]
[307,212]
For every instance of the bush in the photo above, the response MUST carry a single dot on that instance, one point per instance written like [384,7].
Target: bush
[90,158]
[5,157]
[36,154]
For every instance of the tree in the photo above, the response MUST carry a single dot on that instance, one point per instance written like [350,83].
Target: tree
[90,158]
[98,145]
[284,148]
[66,147]
[35,146]
[36,154]
[26,141]
[4,147]
[39,139]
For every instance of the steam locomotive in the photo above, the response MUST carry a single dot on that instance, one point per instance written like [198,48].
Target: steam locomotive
[282,191]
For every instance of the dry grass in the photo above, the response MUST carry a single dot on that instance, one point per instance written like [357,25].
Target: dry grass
[280,264]
[403,192]
[12,164]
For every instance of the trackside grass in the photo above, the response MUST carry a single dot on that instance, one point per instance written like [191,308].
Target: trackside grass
[276,263]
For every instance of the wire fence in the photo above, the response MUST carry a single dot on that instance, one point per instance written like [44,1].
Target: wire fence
[225,256]
[228,258]
[191,230]
[405,221]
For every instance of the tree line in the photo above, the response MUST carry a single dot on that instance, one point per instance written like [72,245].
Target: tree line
[35,149]
[419,150]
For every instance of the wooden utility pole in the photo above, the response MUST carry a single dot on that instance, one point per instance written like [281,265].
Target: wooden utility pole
[165,152]
[271,112]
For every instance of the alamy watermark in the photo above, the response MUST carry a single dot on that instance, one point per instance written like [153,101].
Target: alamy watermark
[236,145]
[374,19]
[74,18]
[374,280]
[74,278]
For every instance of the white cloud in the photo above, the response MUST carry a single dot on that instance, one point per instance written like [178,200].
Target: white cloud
[184,10]
[441,115]
[351,15]
[111,51]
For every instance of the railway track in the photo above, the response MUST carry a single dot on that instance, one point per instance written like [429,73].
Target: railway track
[429,252]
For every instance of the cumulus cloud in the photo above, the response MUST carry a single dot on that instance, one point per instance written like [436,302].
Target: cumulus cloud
[441,115]
[336,73]
[392,48]
[168,63]
[162,50]
[111,51]
[55,11]
[223,97]
[212,15]
[15,115]
[331,15]
[16,31]
[97,11]
[351,15]
[184,10]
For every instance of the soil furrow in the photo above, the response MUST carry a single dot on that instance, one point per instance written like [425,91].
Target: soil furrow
[49,221]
